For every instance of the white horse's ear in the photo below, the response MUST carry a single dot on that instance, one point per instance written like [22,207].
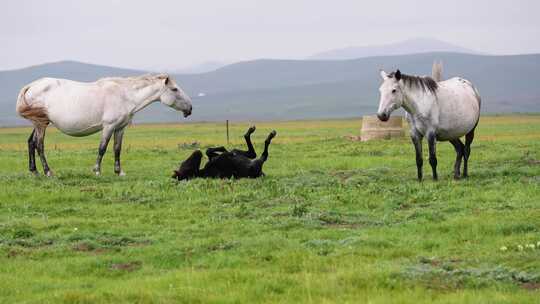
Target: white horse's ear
[384,75]
[398,75]
[164,77]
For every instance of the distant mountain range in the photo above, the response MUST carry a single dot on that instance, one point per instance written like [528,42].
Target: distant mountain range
[300,89]
[204,67]
[410,46]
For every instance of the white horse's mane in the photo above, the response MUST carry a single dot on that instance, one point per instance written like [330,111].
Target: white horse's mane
[136,81]
[425,83]
[144,77]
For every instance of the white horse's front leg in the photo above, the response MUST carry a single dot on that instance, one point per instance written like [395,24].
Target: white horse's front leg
[118,136]
[417,142]
[432,143]
[105,137]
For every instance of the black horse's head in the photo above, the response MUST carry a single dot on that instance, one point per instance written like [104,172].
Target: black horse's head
[189,168]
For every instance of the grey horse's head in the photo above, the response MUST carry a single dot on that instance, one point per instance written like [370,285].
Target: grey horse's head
[173,96]
[391,95]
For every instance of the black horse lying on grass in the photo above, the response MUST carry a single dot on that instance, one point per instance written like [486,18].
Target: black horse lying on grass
[226,164]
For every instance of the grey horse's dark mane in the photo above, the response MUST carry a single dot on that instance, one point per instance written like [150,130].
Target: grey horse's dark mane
[425,83]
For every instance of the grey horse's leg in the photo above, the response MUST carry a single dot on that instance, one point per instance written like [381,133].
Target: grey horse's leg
[417,142]
[466,152]
[32,152]
[105,137]
[459,147]
[40,146]
[118,136]
[432,143]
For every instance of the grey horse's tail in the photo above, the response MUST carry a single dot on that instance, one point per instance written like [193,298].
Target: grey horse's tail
[36,114]
[436,71]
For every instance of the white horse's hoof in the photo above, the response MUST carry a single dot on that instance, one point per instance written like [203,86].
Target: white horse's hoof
[98,173]
[122,173]
[49,173]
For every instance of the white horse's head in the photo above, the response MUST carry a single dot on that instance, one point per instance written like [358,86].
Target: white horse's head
[173,96]
[391,95]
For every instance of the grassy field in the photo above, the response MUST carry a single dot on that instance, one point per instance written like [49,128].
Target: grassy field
[333,220]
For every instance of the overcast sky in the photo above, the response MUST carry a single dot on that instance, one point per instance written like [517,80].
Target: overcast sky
[172,34]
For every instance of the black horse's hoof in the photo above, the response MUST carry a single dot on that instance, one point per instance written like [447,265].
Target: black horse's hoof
[251,130]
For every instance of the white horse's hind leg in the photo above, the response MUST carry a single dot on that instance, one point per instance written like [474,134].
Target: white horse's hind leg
[105,137]
[32,152]
[459,147]
[467,151]
[118,136]
[40,145]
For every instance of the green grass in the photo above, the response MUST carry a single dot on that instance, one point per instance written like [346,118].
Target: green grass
[333,220]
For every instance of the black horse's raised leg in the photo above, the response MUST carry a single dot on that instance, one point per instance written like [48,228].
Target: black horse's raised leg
[432,143]
[267,142]
[417,142]
[256,166]
[213,152]
[467,152]
[458,146]
[32,152]
[250,153]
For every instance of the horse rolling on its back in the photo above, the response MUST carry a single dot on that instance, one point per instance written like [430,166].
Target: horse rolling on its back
[438,110]
[226,164]
[80,109]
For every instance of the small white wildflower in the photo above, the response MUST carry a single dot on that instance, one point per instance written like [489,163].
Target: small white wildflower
[533,246]
[75,229]
[520,248]
[503,248]
[538,244]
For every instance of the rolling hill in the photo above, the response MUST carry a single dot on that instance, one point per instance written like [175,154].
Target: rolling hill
[410,46]
[300,89]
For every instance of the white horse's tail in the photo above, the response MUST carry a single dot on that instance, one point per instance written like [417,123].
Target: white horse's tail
[436,71]
[36,114]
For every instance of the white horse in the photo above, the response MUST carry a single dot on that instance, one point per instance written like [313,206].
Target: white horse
[439,110]
[81,109]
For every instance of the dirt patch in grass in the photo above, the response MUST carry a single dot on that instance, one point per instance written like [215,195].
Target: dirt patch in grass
[444,275]
[88,247]
[344,221]
[531,286]
[343,225]
[529,159]
[107,240]
[89,189]
[12,253]
[222,246]
[129,267]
